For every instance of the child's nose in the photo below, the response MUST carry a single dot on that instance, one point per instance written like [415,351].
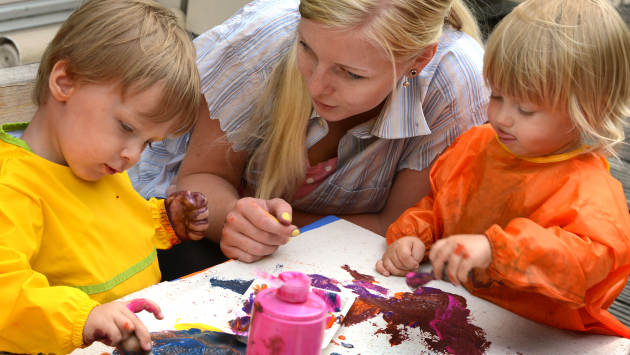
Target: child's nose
[504,117]
[131,156]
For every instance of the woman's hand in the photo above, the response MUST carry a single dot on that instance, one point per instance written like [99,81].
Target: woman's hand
[255,228]
[114,322]
[188,213]
[462,253]
[401,257]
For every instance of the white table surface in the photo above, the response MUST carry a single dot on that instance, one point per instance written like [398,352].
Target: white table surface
[324,251]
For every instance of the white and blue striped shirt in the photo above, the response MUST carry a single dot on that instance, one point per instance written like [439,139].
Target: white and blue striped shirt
[446,99]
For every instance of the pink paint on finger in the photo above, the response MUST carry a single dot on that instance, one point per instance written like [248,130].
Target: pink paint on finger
[141,304]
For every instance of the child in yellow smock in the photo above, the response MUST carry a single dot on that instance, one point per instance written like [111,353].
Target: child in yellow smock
[74,235]
[527,203]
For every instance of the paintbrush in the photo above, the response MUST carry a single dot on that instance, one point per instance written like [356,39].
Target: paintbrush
[131,346]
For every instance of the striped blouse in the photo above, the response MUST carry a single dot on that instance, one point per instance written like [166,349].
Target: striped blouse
[447,98]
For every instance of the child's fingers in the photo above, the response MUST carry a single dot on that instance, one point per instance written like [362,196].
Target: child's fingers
[464,269]
[454,262]
[195,235]
[417,252]
[438,255]
[393,270]
[200,214]
[198,226]
[125,325]
[381,269]
[143,334]
[406,259]
[143,304]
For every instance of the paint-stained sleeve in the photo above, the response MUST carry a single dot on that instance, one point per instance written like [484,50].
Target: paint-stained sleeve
[165,236]
[588,253]
[416,221]
[34,317]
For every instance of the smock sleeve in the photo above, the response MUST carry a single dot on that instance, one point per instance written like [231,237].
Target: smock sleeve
[165,236]
[575,261]
[34,317]
[417,221]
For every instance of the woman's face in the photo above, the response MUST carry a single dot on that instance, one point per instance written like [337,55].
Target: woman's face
[346,75]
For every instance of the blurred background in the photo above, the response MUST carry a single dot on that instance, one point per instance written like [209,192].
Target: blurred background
[26,26]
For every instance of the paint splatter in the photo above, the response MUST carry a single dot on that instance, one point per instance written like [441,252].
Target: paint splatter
[324,282]
[240,324]
[335,354]
[365,281]
[347,345]
[238,286]
[419,279]
[441,314]
[195,341]
[358,276]
[342,337]
[462,251]
[332,299]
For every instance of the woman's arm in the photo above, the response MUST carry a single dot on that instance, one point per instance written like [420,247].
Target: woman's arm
[248,228]
[410,186]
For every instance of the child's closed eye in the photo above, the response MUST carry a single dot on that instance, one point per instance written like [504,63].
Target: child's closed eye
[496,97]
[125,127]
[525,113]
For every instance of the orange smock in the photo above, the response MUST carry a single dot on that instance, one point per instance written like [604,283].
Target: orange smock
[66,246]
[558,227]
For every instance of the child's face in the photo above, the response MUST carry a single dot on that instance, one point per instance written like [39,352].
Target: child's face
[101,133]
[529,130]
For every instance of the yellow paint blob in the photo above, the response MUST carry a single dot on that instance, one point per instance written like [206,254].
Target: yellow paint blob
[286,216]
[202,327]
[296,233]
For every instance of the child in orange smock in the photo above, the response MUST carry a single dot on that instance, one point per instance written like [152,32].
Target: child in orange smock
[527,202]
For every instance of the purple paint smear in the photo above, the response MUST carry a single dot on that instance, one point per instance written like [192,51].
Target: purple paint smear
[332,299]
[442,314]
[324,282]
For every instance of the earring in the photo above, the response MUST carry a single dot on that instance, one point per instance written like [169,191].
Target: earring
[412,74]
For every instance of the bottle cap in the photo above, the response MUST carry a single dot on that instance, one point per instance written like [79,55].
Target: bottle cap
[296,287]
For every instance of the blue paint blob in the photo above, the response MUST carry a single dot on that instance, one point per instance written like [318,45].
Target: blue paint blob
[195,341]
[335,354]
[238,286]
[347,345]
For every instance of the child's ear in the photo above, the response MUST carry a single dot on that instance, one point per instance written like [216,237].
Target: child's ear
[60,85]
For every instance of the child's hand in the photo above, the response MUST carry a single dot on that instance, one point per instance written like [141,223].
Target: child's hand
[114,322]
[188,213]
[401,256]
[462,253]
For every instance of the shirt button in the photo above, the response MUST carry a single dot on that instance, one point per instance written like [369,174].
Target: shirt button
[309,180]
[328,168]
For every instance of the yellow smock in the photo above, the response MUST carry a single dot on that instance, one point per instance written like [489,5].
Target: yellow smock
[66,246]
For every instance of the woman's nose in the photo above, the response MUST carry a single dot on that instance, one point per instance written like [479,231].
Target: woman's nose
[319,83]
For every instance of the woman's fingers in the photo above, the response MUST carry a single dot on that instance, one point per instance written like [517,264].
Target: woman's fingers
[281,209]
[264,221]
[241,247]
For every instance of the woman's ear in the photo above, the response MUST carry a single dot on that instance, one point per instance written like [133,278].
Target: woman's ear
[425,57]
[60,85]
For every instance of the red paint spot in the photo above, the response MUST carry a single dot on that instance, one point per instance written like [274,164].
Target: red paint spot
[232,219]
[127,326]
[461,251]
[342,337]
[117,196]
[334,342]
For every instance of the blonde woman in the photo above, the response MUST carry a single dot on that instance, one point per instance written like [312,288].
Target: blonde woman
[320,107]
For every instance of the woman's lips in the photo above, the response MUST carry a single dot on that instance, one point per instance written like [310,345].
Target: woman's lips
[323,106]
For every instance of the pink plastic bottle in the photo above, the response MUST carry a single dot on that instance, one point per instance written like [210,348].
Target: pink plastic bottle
[287,320]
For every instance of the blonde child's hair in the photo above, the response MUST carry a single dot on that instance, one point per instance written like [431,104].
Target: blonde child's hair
[134,42]
[276,134]
[567,56]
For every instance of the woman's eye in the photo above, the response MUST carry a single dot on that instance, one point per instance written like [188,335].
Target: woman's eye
[354,76]
[305,46]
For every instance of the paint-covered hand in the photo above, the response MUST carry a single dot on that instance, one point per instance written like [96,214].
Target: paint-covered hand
[111,323]
[256,228]
[402,256]
[188,213]
[460,253]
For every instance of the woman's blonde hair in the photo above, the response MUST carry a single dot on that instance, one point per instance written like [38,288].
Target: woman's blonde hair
[134,42]
[571,57]
[276,135]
